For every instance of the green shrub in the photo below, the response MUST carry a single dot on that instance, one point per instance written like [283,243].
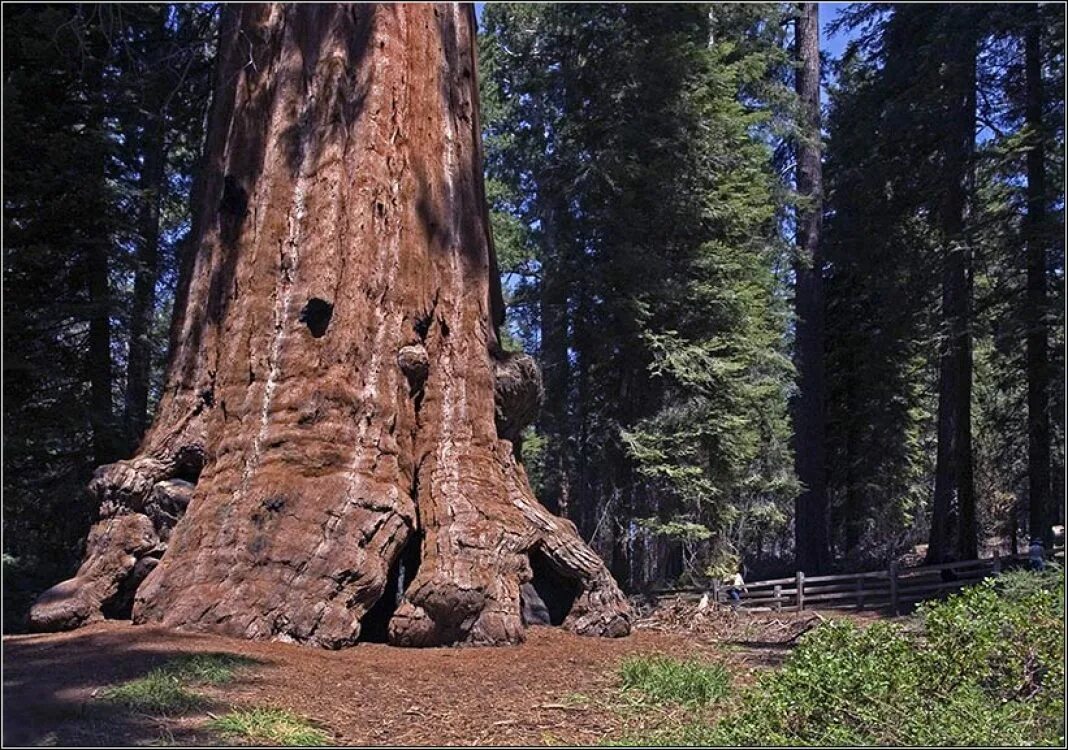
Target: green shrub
[1019,584]
[987,668]
[670,680]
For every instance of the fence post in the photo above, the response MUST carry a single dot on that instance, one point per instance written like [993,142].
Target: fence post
[860,592]
[715,594]
[800,591]
[778,598]
[997,562]
[893,586]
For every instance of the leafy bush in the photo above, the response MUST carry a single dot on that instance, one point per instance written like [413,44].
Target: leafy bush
[986,669]
[670,680]
[1020,583]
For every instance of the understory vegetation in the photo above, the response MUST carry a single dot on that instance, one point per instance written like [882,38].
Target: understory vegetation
[984,667]
[664,679]
[269,726]
[168,691]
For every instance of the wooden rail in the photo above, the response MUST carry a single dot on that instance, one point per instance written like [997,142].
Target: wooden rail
[881,589]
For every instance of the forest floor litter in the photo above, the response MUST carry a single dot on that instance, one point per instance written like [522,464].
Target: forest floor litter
[557,688]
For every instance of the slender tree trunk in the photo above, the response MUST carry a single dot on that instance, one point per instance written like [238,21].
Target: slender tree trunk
[1014,531]
[555,366]
[811,522]
[142,312]
[853,496]
[336,388]
[99,353]
[97,248]
[1038,434]
[954,525]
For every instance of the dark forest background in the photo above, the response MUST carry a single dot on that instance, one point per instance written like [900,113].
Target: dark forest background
[642,165]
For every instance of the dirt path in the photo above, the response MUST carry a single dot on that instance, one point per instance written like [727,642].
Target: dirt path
[370,694]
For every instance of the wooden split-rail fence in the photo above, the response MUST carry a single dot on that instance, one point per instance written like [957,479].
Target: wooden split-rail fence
[890,589]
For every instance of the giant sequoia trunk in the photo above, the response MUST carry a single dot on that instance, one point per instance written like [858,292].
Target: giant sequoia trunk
[336,392]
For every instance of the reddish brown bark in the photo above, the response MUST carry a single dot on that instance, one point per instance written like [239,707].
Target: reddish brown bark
[335,365]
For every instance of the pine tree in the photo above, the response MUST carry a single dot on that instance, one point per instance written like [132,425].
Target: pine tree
[810,514]
[651,199]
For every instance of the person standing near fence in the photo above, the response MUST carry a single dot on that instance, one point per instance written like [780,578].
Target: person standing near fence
[736,588]
[1037,555]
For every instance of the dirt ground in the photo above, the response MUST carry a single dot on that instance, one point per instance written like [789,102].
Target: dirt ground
[370,694]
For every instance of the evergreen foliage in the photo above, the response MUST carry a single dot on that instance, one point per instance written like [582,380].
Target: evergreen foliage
[885,184]
[653,302]
[85,87]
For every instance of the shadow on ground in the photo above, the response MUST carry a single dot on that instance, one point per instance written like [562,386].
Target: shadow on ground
[52,688]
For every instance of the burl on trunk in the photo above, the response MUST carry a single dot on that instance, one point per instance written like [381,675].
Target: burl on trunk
[334,447]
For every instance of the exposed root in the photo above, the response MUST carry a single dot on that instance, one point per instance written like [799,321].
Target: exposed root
[440,609]
[140,502]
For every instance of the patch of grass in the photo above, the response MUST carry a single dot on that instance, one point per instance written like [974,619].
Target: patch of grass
[210,669]
[673,734]
[269,726]
[156,693]
[165,690]
[668,680]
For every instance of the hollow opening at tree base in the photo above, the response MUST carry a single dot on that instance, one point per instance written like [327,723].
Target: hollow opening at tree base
[548,597]
[120,605]
[374,627]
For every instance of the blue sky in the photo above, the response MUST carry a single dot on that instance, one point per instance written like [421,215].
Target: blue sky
[831,46]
